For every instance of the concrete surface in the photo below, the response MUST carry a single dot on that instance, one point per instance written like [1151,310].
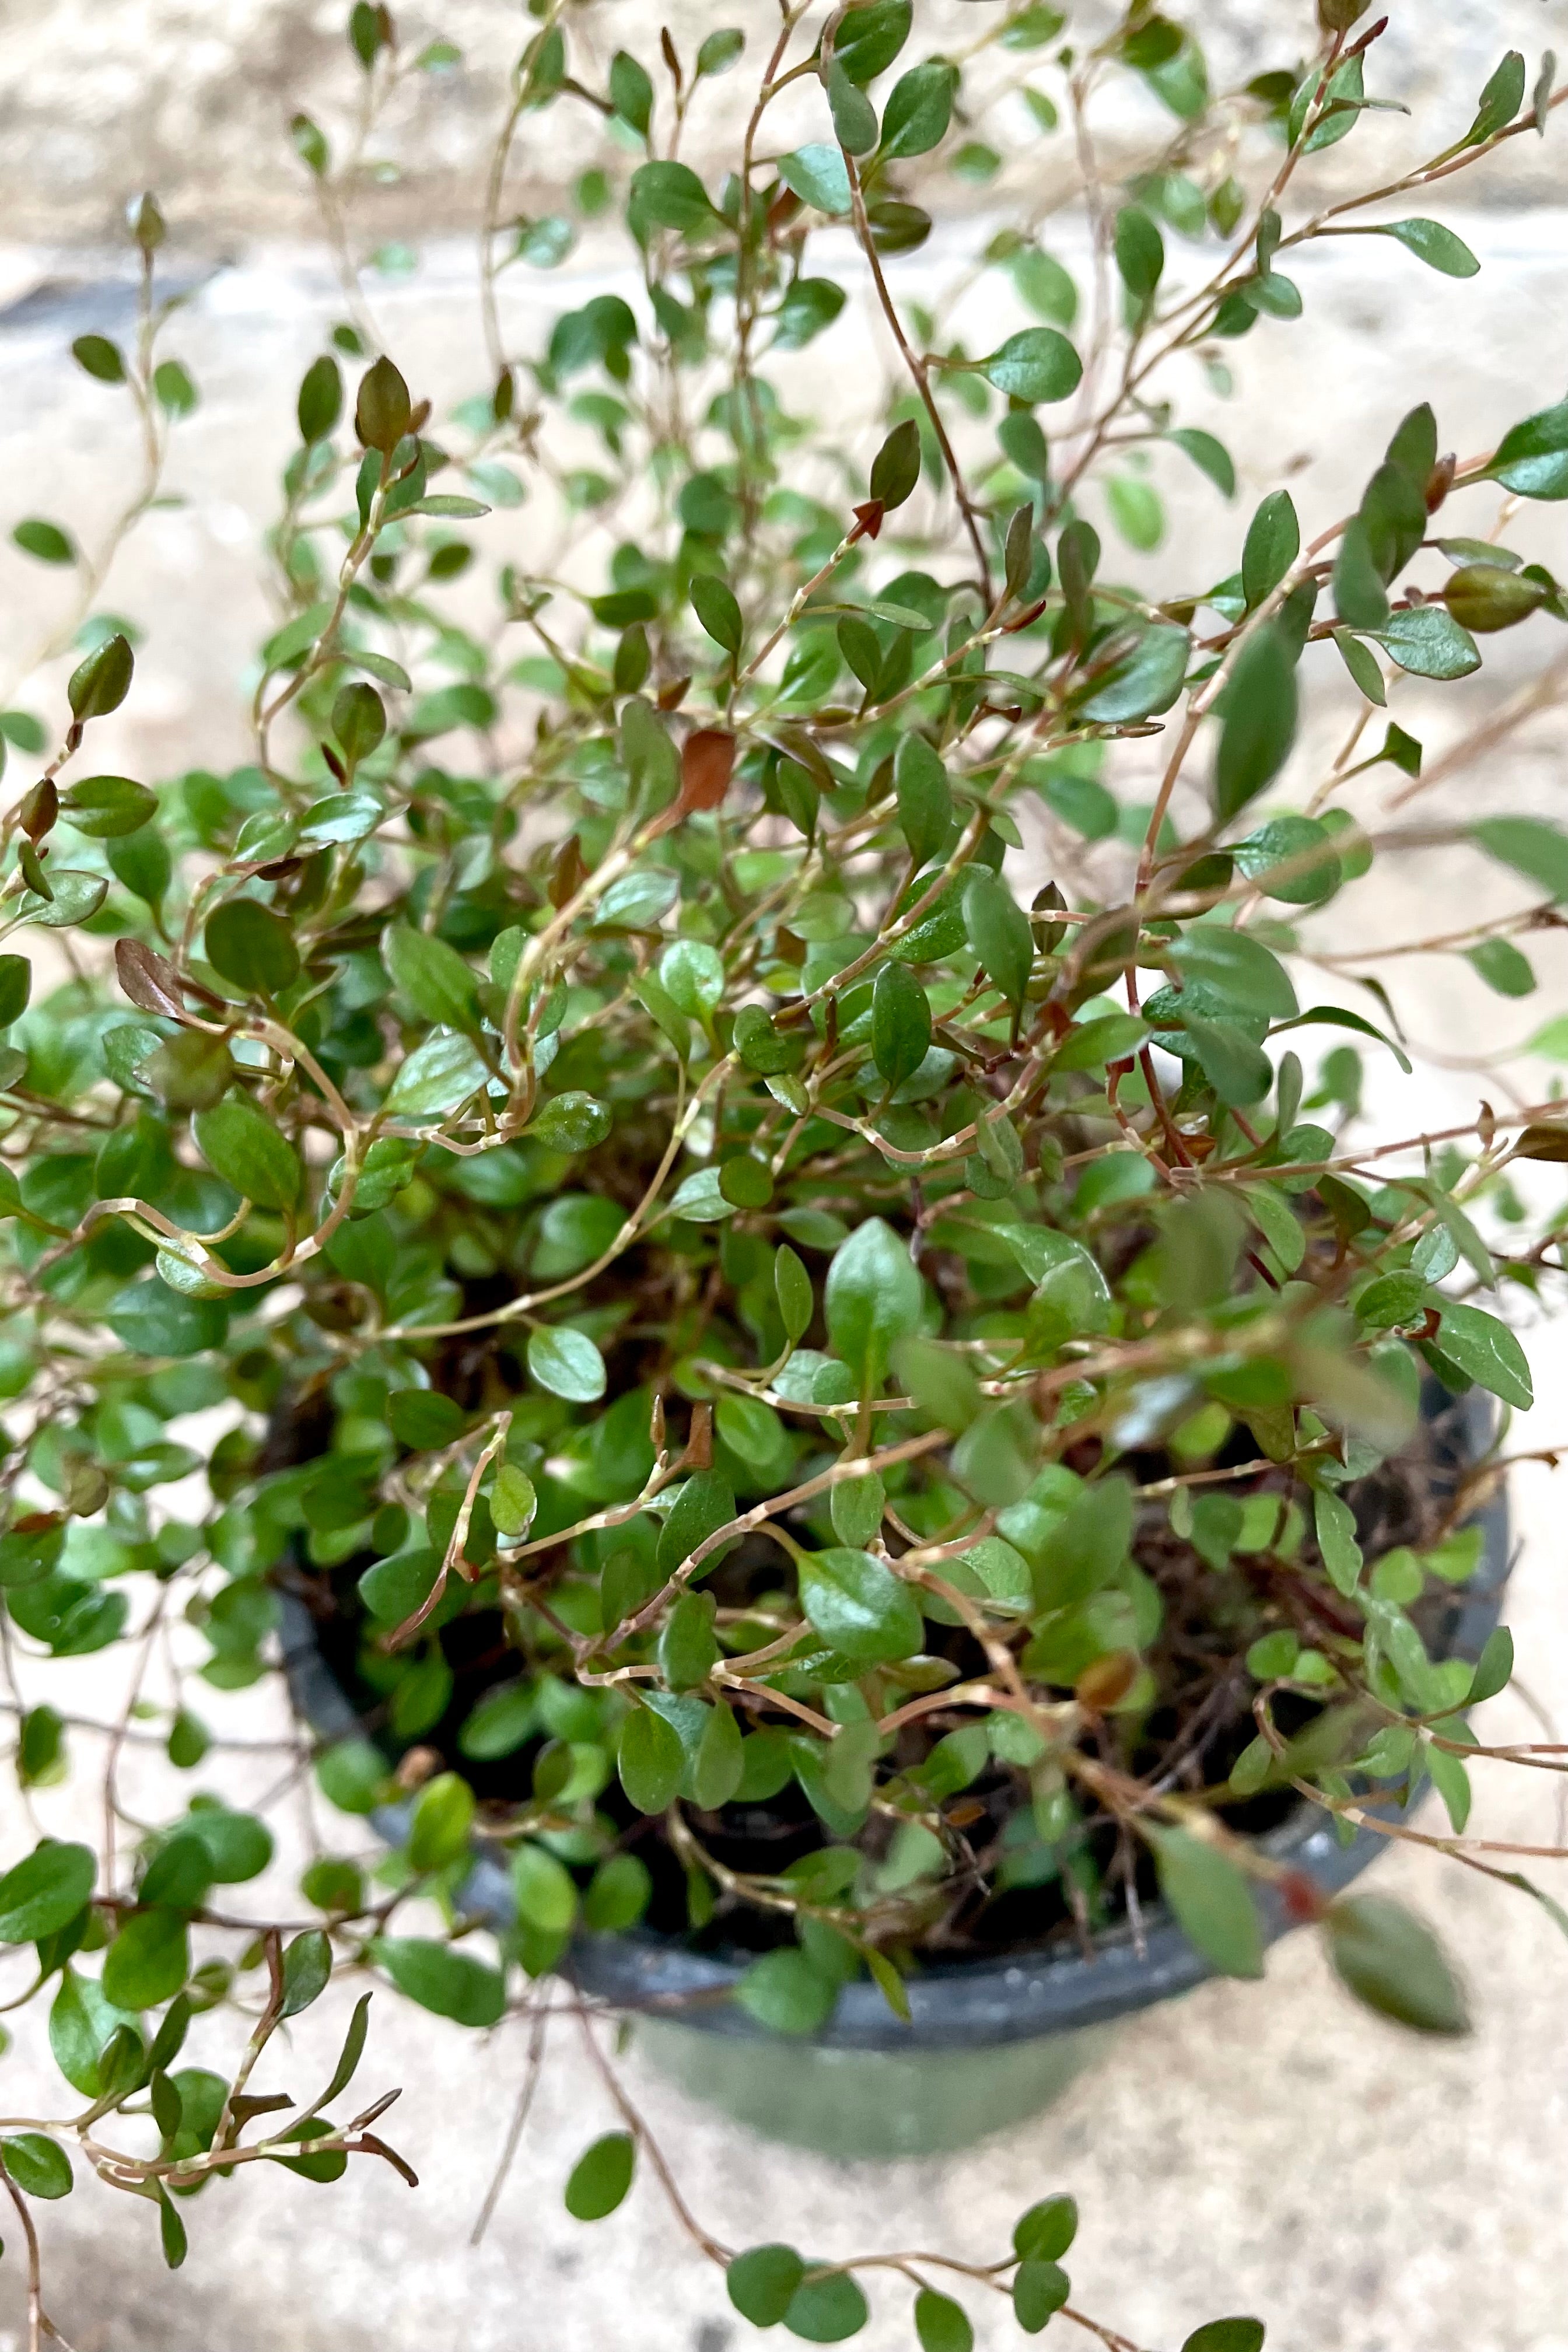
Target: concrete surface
[193,97]
[1256,2148]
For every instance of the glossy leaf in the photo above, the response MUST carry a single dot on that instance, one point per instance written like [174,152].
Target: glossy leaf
[859,1605]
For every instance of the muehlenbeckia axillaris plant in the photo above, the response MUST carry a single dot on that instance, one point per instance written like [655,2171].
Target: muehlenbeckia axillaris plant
[815,1371]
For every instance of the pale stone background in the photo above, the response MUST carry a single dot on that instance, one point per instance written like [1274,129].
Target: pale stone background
[1264,2148]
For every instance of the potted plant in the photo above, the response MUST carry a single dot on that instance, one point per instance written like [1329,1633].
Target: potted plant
[843,1450]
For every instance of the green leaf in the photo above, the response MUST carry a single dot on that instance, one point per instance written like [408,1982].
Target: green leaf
[924,800]
[545,1889]
[719,52]
[792,1288]
[1039,2290]
[1236,965]
[237,1845]
[1334,1522]
[762,2283]
[939,1381]
[688,1646]
[1091,1045]
[631,91]
[1212,1899]
[432,976]
[1486,1352]
[873,1299]
[320,401]
[99,358]
[567,1364]
[601,2177]
[1361,663]
[1501,966]
[1494,1668]
[149,1960]
[1273,543]
[1000,934]
[639,900]
[1430,242]
[1045,2232]
[1140,252]
[570,1122]
[250,1152]
[1361,599]
[919,109]
[353,1775]
[900,1024]
[714,605]
[819,176]
[37,2166]
[307,1966]
[1066,1274]
[1210,456]
[668,195]
[942,2324]
[870,37]
[1392,1960]
[251,945]
[651,1760]
[44,1892]
[854,116]
[1227,2335]
[45,540]
[1532,455]
[827,2310]
[720,1763]
[78,897]
[860,1606]
[171,2230]
[440,1978]
[1258,721]
[1238,1070]
[895,471]
[101,683]
[705,1503]
[422,1418]
[1082,1550]
[443,1817]
[513,1501]
[1531,845]
[1144,681]
[1428,642]
[1034,365]
[1499,101]
[784,1992]
[108,807]
[617,1894]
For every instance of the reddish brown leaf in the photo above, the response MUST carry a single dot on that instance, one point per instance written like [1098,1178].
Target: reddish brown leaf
[148,980]
[39,811]
[868,520]
[706,764]
[1108,1679]
[567,872]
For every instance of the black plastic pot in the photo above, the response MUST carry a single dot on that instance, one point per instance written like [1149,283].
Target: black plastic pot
[988,2042]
